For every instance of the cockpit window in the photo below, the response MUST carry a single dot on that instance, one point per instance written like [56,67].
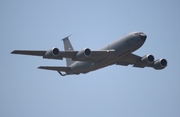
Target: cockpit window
[136,33]
[139,33]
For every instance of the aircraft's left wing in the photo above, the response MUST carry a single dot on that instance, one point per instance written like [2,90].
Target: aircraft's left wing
[94,57]
[34,53]
[29,52]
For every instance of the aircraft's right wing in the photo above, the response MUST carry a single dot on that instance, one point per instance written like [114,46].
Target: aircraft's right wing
[141,62]
[130,59]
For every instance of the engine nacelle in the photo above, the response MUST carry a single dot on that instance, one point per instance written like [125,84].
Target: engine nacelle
[160,64]
[54,52]
[147,59]
[85,53]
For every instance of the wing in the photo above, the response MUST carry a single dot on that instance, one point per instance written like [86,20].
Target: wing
[35,53]
[95,55]
[29,52]
[131,59]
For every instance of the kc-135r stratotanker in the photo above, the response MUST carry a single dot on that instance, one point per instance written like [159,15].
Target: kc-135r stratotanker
[119,52]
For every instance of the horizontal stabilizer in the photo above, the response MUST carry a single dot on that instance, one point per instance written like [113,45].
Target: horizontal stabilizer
[64,69]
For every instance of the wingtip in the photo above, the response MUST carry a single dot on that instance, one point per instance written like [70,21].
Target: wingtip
[13,52]
[40,67]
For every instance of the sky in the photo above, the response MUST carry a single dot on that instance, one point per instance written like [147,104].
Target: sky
[114,91]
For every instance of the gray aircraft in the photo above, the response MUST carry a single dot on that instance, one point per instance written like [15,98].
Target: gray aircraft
[85,60]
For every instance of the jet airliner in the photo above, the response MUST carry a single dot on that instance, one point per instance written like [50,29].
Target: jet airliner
[118,52]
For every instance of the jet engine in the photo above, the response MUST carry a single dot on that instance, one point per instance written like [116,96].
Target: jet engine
[85,53]
[147,59]
[54,52]
[160,64]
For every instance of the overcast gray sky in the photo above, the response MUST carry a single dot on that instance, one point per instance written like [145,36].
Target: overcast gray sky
[114,91]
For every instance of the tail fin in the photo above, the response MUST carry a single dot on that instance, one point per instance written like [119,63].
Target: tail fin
[68,47]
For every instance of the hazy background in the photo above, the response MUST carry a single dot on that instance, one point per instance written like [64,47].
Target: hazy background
[114,91]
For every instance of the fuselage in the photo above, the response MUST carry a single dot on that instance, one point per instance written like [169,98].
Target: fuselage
[123,46]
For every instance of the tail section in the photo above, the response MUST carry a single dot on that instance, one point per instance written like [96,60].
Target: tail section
[68,47]
[55,68]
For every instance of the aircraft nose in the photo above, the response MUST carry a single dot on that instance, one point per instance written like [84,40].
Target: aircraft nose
[143,37]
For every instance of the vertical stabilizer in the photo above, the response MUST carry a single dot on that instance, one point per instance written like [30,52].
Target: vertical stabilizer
[68,47]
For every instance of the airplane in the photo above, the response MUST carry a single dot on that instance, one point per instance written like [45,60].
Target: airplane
[118,52]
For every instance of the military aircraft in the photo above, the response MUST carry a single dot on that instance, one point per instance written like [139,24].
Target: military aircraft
[119,52]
